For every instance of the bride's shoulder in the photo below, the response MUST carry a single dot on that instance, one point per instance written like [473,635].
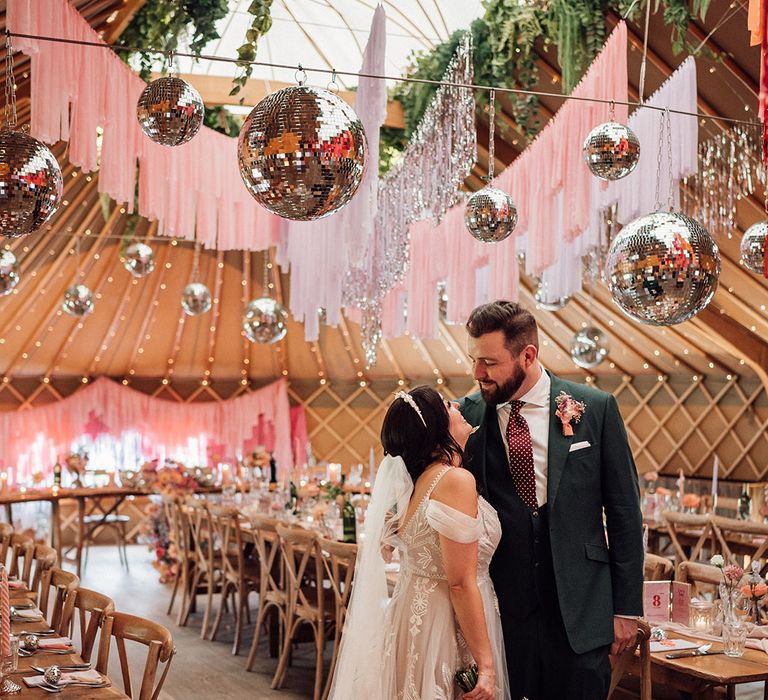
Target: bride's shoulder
[457,485]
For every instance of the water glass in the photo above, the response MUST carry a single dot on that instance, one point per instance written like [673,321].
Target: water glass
[734,638]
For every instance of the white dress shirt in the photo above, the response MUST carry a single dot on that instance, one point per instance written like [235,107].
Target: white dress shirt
[536,413]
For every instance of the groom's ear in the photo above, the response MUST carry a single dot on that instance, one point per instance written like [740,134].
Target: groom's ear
[529,355]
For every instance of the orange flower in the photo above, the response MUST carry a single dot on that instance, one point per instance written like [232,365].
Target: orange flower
[754,590]
[691,500]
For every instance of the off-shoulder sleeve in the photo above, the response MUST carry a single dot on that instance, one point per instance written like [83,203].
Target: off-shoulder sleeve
[452,523]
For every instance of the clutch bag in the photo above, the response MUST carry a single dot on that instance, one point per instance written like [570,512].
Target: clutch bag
[466,678]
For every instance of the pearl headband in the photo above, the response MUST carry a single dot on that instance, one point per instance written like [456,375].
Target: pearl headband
[405,396]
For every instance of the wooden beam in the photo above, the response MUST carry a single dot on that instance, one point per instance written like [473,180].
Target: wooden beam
[122,19]
[214,89]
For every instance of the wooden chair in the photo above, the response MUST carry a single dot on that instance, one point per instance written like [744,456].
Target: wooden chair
[64,586]
[43,559]
[620,664]
[688,527]
[741,538]
[656,568]
[273,597]
[6,531]
[240,573]
[207,576]
[19,554]
[91,609]
[95,522]
[704,578]
[339,563]
[124,627]
[181,538]
[307,603]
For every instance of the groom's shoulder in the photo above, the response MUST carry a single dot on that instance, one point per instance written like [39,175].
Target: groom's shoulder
[471,402]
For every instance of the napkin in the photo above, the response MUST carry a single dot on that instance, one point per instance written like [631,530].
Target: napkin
[673,645]
[15,584]
[55,643]
[30,614]
[90,676]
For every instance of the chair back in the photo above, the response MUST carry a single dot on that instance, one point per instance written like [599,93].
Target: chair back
[226,528]
[201,528]
[339,563]
[688,527]
[19,555]
[91,609]
[303,570]
[44,559]
[656,568]
[704,578]
[6,530]
[179,527]
[160,650]
[60,587]
[621,662]
[740,538]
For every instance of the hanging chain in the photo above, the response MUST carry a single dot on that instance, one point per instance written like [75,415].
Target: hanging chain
[671,200]
[491,134]
[657,203]
[196,262]
[265,283]
[10,85]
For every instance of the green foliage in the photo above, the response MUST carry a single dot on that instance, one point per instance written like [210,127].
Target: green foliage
[221,119]
[260,10]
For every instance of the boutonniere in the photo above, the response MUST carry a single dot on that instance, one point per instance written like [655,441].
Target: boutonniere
[568,410]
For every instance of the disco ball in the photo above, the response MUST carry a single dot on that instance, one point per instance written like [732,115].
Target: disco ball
[663,268]
[170,111]
[491,215]
[265,321]
[195,299]
[9,272]
[30,184]
[78,300]
[302,153]
[753,247]
[139,259]
[589,347]
[544,302]
[611,151]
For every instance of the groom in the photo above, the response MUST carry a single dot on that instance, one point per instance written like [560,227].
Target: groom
[569,584]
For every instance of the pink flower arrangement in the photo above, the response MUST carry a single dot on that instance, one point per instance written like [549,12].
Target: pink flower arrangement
[732,573]
[568,410]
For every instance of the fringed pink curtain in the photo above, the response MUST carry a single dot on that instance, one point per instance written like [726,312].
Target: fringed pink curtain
[33,439]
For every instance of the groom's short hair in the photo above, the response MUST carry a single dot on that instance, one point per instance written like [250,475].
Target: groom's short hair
[517,324]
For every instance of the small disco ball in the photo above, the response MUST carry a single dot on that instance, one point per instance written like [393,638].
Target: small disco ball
[9,272]
[30,184]
[611,151]
[544,302]
[170,111]
[302,153]
[139,259]
[663,268]
[753,247]
[589,347]
[195,299]
[52,675]
[78,300]
[491,215]
[265,321]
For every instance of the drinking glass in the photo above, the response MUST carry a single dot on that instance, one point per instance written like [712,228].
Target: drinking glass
[734,638]
[10,664]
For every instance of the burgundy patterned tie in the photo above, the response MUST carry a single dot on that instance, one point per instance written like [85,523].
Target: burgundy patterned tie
[521,455]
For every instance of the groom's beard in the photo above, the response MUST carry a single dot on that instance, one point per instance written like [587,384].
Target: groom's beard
[496,393]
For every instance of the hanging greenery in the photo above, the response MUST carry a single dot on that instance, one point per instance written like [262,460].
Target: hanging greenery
[260,11]
[162,23]
[221,119]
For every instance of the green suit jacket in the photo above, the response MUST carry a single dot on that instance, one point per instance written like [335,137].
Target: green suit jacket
[595,522]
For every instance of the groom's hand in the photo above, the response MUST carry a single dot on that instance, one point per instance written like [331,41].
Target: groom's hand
[624,633]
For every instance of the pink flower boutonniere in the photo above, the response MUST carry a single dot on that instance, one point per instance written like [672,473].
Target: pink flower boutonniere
[568,410]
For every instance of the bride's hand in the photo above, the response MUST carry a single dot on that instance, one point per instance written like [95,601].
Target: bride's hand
[485,688]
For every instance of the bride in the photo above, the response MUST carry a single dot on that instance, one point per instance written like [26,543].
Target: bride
[443,614]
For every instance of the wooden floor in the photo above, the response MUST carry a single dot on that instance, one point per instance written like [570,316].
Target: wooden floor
[201,670]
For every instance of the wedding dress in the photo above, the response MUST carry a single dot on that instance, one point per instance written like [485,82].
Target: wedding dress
[419,646]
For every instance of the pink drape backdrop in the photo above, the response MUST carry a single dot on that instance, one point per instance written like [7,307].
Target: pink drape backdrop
[33,439]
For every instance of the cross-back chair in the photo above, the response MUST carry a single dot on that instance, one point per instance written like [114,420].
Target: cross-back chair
[656,568]
[620,664]
[703,578]
[57,598]
[689,528]
[90,610]
[19,555]
[6,530]
[740,538]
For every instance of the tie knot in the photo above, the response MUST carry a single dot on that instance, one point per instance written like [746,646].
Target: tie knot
[515,406]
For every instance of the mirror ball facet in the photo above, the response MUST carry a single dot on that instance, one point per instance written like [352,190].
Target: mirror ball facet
[265,321]
[9,272]
[611,151]
[78,300]
[170,111]
[752,247]
[30,184]
[491,215]
[139,259]
[589,347]
[195,299]
[302,153]
[663,268]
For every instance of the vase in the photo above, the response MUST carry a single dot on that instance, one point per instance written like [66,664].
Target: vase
[729,602]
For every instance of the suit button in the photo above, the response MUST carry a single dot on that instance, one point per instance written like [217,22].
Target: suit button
[535,540]
[535,513]
[536,565]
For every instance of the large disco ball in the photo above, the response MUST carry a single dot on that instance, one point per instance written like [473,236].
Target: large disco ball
[78,300]
[589,347]
[611,151]
[195,299]
[753,247]
[265,321]
[170,111]
[30,184]
[491,215]
[663,268]
[139,259]
[544,301]
[9,272]
[302,153]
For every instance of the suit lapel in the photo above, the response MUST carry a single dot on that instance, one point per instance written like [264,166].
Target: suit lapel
[559,444]
[477,413]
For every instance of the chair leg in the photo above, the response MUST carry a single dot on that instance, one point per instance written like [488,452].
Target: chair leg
[260,621]
[319,648]
[208,604]
[334,657]
[225,589]
[173,592]
[191,593]
[241,605]
[278,680]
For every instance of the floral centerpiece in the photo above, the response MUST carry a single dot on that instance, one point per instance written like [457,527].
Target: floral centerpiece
[755,590]
[729,588]
[691,502]
[76,464]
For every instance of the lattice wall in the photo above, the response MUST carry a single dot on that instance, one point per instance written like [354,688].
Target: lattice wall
[677,423]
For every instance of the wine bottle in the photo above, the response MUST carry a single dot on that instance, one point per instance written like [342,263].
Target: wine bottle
[57,474]
[349,522]
[745,503]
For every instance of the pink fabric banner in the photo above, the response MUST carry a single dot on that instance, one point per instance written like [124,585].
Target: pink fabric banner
[34,439]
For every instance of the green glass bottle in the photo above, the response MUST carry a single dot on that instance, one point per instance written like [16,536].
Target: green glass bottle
[57,474]
[745,503]
[349,522]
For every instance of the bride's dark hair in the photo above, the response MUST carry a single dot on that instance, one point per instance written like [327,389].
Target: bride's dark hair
[404,435]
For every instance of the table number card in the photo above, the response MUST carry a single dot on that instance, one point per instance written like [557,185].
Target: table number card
[681,603]
[656,601]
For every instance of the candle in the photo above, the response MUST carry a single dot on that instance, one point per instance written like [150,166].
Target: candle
[680,486]
[5,614]
[715,470]
[55,490]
